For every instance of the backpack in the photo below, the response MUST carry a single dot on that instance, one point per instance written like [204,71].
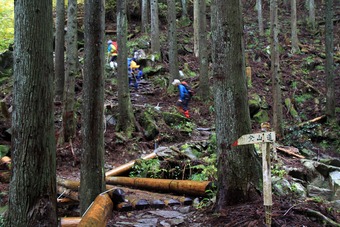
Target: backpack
[189,89]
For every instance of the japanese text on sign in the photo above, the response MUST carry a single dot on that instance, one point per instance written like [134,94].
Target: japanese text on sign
[265,137]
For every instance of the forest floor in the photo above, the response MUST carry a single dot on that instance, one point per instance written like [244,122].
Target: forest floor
[286,211]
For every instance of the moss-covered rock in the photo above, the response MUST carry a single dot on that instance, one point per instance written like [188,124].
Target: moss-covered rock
[147,121]
[261,116]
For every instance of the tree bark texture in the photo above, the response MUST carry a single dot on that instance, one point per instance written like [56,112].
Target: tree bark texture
[172,40]
[330,87]
[69,124]
[126,116]
[59,49]
[295,41]
[145,16]
[196,27]
[260,16]
[238,167]
[32,198]
[204,88]
[92,160]
[155,44]
[275,67]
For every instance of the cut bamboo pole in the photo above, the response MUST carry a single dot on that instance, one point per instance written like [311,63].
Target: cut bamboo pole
[71,184]
[70,221]
[124,168]
[188,187]
[98,213]
[66,201]
[68,193]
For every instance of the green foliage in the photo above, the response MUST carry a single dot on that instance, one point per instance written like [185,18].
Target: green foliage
[278,171]
[147,168]
[209,200]
[302,98]
[6,24]
[4,149]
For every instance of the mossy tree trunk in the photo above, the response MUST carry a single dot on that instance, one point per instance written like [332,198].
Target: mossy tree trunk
[126,115]
[238,167]
[69,122]
[32,196]
[59,49]
[172,40]
[92,160]
[204,89]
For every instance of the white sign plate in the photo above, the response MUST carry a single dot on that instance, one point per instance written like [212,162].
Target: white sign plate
[263,137]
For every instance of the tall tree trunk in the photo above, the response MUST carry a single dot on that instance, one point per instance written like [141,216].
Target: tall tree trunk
[238,167]
[204,88]
[155,44]
[32,198]
[126,116]
[311,10]
[260,16]
[59,49]
[69,123]
[295,41]
[196,27]
[275,67]
[145,16]
[172,40]
[184,8]
[330,93]
[92,178]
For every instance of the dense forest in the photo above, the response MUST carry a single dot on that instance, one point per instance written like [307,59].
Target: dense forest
[75,131]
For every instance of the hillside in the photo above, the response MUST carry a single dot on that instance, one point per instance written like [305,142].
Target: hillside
[303,77]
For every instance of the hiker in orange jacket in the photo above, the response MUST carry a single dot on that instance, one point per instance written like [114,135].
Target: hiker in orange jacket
[184,98]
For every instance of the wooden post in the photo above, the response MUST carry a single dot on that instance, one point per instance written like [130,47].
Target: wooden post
[265,138]
[267,182]
[248,74]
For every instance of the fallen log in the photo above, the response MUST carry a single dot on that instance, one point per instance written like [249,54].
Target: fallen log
[116,194]
[66,201]
[99,212]
[68,193]
[69,221]
[187,187]
[312,121]
[70,184]
[124,168]
[155,198]
[290,151]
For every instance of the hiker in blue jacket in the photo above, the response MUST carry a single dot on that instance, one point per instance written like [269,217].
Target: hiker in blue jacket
[184,98]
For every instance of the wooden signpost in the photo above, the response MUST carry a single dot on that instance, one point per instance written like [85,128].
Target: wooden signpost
[265,138]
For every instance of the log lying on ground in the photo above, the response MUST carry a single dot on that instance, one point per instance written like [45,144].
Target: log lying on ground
[290,151]
[124,168]
[139,199]
[70,221]
[66,202]
[99,212]
[70,184]
[187,187]
[117,194]
[312,121]
[68,193]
